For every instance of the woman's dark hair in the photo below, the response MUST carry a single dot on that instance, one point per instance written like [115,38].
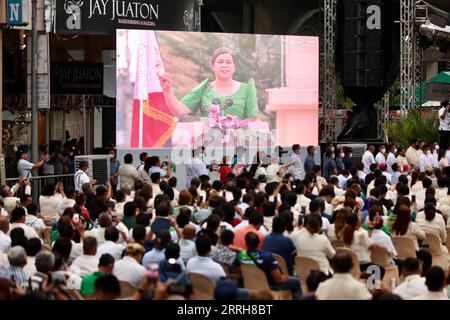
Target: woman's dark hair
[229,211]
[430,212]
[63,246]
[288,217]
[269,209]
[226,237]
[213,222]
[146,192]
[184,217]
[18,238]
[120,195]
[48,190]
[314,278]
[161,199]
[339,222]
[219,51]
[349,229]
[129,209]
[401,224]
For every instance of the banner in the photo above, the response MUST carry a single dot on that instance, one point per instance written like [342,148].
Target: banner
[105,16]
[153,122]
[78,78]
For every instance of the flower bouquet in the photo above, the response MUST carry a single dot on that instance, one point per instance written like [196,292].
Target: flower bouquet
[226,123]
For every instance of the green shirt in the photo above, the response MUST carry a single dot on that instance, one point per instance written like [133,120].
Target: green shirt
[244,105]
[384,229]
[87,285]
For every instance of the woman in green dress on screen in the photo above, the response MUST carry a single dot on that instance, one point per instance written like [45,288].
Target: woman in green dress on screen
[240,97]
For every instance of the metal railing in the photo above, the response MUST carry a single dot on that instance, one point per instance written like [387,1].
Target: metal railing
[40,181]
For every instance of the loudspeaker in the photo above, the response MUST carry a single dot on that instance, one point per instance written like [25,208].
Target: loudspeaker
[364,42]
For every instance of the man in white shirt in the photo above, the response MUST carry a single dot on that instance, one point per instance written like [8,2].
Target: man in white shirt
[155,167]
[81,177]
[87,263]
[7,194]
[140,168]
[110,245]
[426,160]
[32,220]
[297,170]
[155,181]
[127,173]
[391,159]
[196,167]
[342,286]
[368,158]
[24,167]
[444,125]
[5,240]
[18,221]
[104,221]
[412,154]
[436,283]
[129,269]
[413,284]
[381,155]
[203,264]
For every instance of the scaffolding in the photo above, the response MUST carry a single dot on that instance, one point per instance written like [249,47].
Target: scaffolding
[329,103]
[382,115]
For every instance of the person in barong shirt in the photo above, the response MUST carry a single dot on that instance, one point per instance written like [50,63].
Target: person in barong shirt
[196,167]
[297,170]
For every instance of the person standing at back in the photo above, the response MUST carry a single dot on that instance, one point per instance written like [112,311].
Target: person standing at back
[310,161]
[81,177]
[368,158]
[444,125]
[297,170]
[24,167]
[127,173]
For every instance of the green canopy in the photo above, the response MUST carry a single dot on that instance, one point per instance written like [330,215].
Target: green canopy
[442,77]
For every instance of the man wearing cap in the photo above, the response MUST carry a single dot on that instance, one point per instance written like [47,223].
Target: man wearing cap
[24,167]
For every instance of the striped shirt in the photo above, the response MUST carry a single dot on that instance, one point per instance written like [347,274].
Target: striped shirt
[15,274]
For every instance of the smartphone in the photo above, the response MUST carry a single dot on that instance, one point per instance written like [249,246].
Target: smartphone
[413,198]
[303,211]
[76,218]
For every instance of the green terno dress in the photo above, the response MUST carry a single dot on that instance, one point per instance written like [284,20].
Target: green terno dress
[245,104]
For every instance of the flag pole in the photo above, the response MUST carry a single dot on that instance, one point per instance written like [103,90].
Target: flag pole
[141,111]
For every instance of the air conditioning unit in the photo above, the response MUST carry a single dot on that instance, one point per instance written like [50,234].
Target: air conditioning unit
[99,166]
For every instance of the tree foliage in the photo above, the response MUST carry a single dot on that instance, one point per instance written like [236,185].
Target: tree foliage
[413,125]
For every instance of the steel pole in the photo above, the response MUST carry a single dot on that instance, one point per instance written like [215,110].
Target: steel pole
[34,97]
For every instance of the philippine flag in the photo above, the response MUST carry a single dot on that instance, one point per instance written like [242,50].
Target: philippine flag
[153,123]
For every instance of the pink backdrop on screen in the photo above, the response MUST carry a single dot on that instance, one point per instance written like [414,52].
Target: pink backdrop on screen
[297,103]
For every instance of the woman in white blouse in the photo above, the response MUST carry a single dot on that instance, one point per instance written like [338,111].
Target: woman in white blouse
[313,245]
[358,239]
[433,223]
[49,201]
[403,226]
[336,229]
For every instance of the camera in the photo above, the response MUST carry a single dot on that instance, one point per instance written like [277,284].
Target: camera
[179,288]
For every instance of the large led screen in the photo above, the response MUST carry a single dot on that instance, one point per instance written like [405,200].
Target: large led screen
[188,89]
